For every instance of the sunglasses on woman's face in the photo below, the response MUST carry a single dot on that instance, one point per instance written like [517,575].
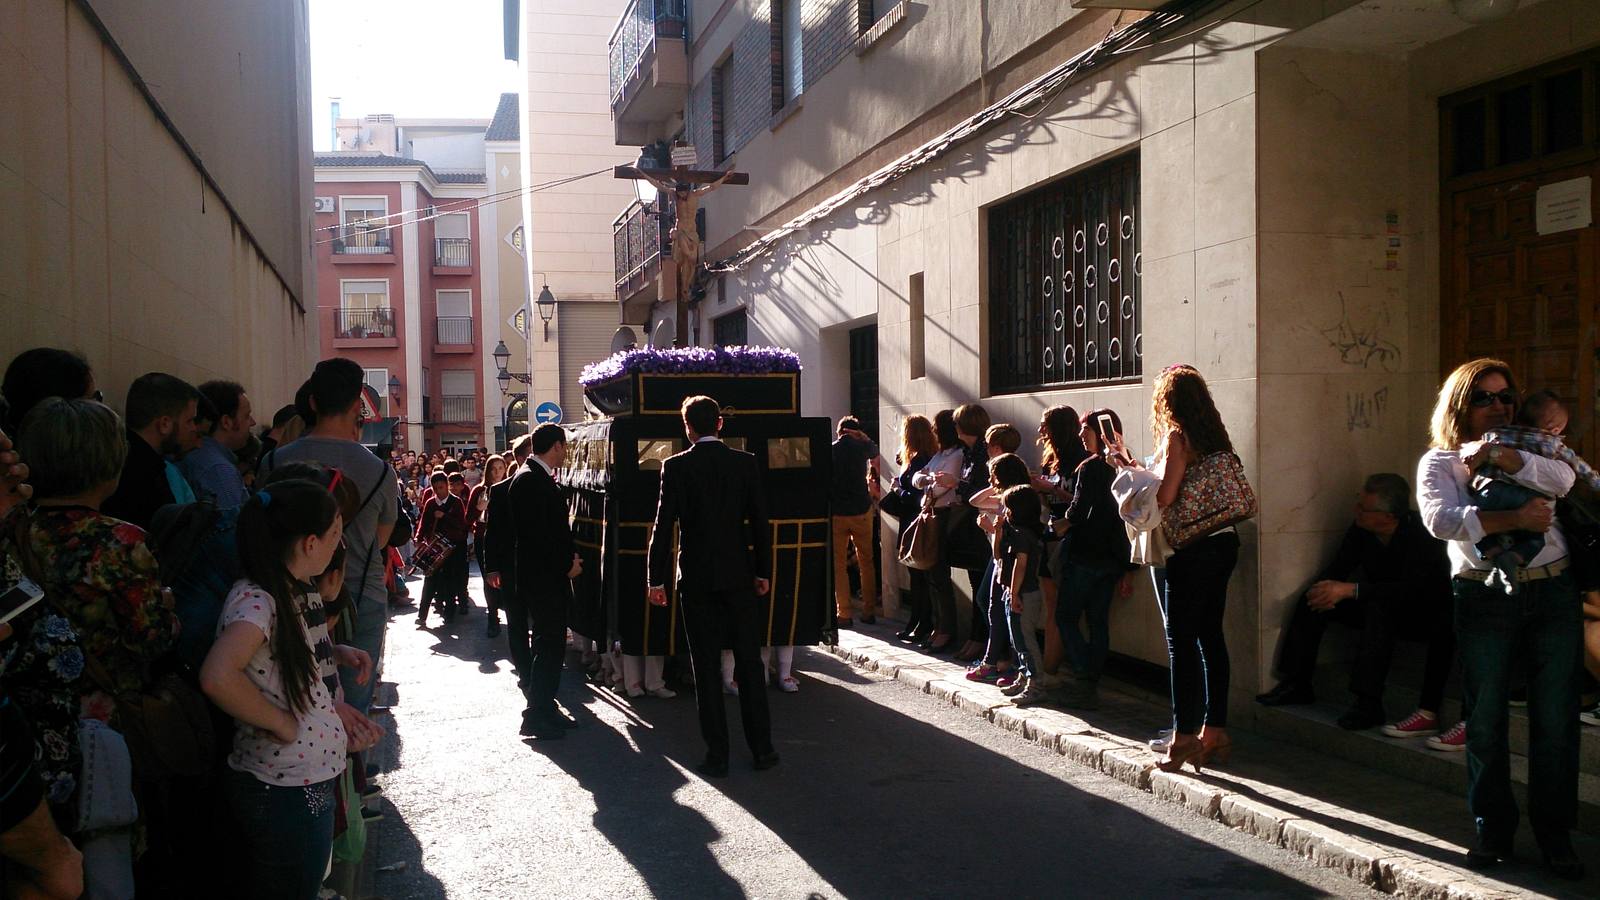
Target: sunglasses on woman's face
[1482,399]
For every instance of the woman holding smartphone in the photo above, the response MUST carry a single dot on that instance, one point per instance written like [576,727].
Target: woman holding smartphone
[1090,566]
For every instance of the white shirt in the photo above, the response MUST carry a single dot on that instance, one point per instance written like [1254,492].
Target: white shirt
[944,461]
[1450,515]
[543,465]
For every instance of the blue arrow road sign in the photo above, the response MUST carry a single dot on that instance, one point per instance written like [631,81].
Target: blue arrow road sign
[548,411]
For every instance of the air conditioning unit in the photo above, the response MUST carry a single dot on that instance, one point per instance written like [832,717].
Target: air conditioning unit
[322,204]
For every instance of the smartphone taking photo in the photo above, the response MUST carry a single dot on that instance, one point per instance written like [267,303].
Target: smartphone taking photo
[18,592]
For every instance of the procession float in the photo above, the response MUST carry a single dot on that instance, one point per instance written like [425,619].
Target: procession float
[632,423]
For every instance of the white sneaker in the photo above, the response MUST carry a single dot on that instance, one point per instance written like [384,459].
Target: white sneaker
[789,686]
[1590,716]
[663,693]
[731,689]
[635,691]
[1452,741]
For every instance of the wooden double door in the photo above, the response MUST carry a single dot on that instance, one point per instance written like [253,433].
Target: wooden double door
[1525,297]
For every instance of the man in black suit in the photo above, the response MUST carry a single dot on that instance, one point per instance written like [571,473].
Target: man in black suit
[709,491]
[546,563]
[500,560]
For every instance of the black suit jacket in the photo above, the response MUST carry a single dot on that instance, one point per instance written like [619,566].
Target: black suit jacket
[499,532]
[544,548]
[710,491]
[143,487]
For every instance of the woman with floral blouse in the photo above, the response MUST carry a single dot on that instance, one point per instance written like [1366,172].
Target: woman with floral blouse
[103,596]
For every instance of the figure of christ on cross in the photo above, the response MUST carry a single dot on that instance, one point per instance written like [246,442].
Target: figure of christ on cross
[685,187]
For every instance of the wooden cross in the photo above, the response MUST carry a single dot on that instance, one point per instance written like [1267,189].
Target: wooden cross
[685,186]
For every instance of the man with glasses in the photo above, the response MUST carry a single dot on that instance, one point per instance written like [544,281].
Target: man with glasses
[1389,578]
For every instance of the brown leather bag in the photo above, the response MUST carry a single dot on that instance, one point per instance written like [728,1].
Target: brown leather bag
[919,545]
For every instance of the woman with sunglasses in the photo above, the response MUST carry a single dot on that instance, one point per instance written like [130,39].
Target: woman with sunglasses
[1541,624]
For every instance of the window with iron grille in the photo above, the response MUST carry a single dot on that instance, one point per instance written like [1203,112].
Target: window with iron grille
[1064,298]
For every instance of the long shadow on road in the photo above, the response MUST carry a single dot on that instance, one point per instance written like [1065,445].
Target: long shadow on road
[880,803]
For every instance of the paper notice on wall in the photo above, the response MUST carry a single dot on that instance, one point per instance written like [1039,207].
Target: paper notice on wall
[1563,206]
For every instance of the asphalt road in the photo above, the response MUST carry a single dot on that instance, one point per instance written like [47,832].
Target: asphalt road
[882,792]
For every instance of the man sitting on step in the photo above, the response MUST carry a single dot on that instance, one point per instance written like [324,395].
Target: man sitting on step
[1389,579]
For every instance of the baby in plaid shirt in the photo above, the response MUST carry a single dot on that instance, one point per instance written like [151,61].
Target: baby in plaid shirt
[1539,423]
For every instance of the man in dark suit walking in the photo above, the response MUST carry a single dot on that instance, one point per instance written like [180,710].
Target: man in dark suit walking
[546,563]
[709,491]
[500,560]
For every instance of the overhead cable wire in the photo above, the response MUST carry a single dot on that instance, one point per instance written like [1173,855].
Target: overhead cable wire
[511,195]
[1036,94]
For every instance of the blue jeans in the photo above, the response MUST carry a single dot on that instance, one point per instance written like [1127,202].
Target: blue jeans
[1023,626]
[1086,591]
[992,602]
[1192,604]
[287,835]
[371,620]
[1541,627]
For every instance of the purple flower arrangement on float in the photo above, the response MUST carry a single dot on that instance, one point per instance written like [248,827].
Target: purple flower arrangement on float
[691,361]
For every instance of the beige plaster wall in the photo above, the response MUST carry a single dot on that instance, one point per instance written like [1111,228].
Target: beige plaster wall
[235,77]
[113,246]
[566,130]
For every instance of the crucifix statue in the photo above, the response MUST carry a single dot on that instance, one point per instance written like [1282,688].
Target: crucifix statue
[684,188]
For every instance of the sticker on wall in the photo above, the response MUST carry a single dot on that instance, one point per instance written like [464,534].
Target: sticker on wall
[1563,206]
[519,321]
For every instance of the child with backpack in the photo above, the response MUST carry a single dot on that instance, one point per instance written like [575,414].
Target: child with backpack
[289,744]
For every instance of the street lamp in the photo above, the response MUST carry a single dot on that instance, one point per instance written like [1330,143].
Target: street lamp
[547,308]
[502,358]
[650,157]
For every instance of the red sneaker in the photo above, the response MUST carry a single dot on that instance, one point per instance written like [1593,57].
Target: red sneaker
[1452,741]
[984,673]
[1418,724]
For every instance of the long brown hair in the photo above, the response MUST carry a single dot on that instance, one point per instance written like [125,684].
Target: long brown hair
[269,525]
[944,428]
[1447,427]
[1182,403]
[488,467]
[916,439]
[1061,447]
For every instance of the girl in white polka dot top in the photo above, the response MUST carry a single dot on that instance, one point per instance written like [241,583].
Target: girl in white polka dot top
[289,744]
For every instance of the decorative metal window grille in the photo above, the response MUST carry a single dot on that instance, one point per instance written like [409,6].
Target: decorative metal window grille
[1064,297]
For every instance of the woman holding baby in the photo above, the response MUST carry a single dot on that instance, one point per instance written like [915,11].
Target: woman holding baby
[1537,614]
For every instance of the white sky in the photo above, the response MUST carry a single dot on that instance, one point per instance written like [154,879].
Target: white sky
[406,57]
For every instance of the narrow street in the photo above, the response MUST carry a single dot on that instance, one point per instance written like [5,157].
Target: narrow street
[882,792]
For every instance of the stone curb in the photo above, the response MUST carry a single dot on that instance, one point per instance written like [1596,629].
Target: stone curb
[1378,867]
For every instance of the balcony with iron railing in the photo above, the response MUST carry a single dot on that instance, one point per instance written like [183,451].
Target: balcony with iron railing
[370,327]
[453,334]
[452,256]
[363,243]
[640,241]
[458,408]
[649,70]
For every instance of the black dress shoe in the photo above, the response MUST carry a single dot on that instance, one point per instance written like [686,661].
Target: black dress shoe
[1288,693]
[712,768]
[1560,858]
[905,634]
[542,729]
[766,760]
[1488,852]
[1361,717]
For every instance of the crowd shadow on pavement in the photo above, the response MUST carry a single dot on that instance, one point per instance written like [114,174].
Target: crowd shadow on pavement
[878,803]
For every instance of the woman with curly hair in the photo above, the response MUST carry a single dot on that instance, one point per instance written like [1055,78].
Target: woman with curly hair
[1188,430]
[1061,452]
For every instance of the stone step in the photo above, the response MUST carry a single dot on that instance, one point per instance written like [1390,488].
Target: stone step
[1314,727]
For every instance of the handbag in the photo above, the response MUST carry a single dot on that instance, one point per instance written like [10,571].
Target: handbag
[919,544]
[1214,495]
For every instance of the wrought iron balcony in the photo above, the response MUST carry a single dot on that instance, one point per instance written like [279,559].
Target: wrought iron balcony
[360,239]
[452,252]
[649,69]
[455,330]
[364,323]
[640,236]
